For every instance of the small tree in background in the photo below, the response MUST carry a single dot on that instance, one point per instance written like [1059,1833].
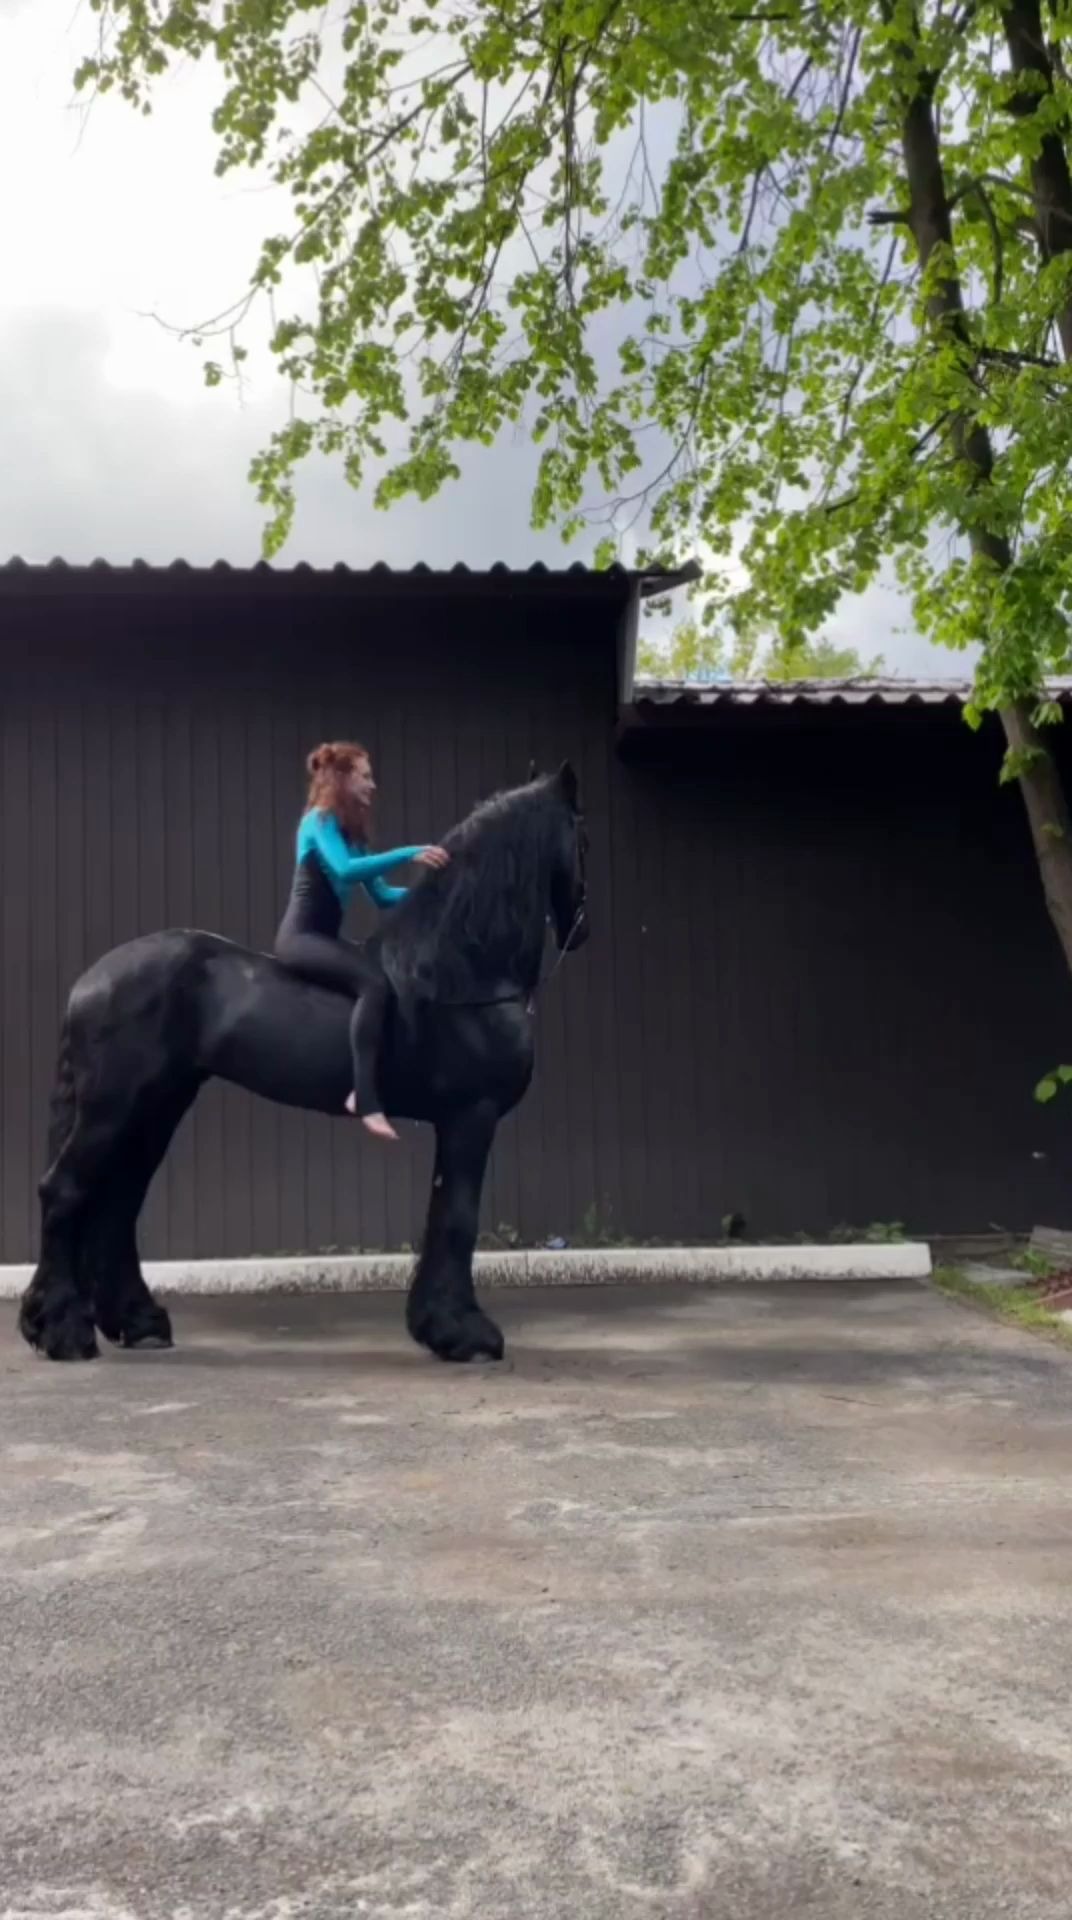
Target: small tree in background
[694,650]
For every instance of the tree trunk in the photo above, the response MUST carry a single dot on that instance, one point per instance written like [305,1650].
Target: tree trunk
[1051,184]
[1051,181]
[929,218]
[1047,813]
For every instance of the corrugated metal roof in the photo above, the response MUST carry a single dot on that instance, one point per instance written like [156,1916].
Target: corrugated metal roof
[865,691]
[59,572]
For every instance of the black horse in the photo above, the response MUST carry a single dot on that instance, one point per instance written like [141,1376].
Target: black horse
[156,1018]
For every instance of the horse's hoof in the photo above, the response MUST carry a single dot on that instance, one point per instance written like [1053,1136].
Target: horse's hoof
[70,1347]
[148,1331]
[469,1336]
[62,1340]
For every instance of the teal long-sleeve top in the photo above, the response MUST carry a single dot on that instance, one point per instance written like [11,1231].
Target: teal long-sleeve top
[320,836]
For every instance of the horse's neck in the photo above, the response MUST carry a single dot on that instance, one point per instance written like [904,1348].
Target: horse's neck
[512,960]
[528,943]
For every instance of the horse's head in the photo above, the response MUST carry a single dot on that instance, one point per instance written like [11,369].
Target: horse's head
[568,888]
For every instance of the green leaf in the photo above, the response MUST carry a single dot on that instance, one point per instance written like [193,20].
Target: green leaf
[1050,1084]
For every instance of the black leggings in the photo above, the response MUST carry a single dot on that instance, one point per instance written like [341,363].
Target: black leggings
[349,969]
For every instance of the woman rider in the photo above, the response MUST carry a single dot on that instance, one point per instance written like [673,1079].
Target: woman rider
[332,858]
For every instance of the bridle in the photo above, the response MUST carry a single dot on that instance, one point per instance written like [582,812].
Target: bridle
[578,917]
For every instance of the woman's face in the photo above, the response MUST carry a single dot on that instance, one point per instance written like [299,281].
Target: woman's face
[360,781]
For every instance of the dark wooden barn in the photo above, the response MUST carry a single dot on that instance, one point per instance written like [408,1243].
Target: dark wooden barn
[821,983]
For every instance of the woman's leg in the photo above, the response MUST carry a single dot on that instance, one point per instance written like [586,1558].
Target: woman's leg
[348,969]
[366,1029]
[326,960]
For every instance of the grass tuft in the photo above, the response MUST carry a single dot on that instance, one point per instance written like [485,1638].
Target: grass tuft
[1016,1306]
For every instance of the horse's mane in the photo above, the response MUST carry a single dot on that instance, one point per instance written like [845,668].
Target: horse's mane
[483,918]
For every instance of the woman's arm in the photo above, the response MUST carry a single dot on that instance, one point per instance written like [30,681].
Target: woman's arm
[377,889]
[384,895]
[342,864]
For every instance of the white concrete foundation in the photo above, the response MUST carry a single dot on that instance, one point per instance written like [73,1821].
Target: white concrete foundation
[536,1267]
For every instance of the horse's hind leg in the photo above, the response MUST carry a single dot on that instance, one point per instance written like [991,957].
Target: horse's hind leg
[56,1315]
[443,1312]
[123,1307]
[125,1310]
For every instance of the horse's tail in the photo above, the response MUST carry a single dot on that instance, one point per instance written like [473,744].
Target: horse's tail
[61,1106]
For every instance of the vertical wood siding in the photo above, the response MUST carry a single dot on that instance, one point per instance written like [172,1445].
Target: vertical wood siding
[820,986]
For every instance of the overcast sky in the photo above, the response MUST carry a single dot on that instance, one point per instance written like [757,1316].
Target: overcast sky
[114,446]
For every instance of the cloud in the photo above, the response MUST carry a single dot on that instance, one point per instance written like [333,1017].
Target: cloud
[93,467]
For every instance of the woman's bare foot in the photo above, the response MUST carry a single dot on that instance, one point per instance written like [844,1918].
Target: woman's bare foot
[376,1123]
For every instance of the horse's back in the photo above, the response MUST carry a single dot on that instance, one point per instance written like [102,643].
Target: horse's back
[150,964]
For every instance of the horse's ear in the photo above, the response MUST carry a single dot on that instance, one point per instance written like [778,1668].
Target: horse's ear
[567,785]
[533,772]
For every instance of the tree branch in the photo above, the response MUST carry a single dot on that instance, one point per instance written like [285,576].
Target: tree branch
[1006,357]
[995,235]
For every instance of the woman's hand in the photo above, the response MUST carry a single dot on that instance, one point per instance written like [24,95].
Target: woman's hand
[433,857]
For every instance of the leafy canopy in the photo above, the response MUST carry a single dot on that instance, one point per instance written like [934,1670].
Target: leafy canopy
[488,192]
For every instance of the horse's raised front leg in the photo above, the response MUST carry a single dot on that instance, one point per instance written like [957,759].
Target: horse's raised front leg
[442,1312]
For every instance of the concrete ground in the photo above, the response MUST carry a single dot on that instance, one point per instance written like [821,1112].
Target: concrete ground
[710,1605]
